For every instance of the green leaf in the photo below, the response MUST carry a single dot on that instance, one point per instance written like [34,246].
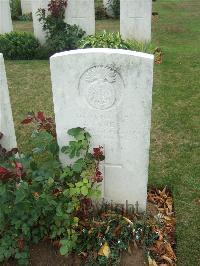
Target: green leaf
[20,196]
[78,165]
[64,250]
[79,184]
[84,190]
[85,180]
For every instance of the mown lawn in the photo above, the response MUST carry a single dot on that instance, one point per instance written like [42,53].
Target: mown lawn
[175,152]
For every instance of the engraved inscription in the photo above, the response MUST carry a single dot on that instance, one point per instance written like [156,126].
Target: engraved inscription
[100,86]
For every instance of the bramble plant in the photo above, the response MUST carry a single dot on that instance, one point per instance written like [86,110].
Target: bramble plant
[40,198]
[115,7]
[60,35]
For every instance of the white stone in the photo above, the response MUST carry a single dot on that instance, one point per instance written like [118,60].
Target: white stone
[6,119]
[5,17]
[135,19]
[37,25]
[26,6]
[109,92]
[81,13]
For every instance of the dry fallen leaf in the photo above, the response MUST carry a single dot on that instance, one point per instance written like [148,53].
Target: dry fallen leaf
[104,250]
[170,251]
[128,221]
[164,257]
[152,262]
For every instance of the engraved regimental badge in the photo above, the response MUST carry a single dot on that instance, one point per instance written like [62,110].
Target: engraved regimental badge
[101,86]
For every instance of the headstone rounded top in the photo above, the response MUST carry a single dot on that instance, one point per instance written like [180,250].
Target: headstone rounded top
[103,51]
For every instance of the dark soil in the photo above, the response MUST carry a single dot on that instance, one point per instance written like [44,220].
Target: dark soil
[44,254]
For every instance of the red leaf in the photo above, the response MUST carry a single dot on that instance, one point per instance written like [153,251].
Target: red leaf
[28,120]
[41,116]
[3,171]
[18,166]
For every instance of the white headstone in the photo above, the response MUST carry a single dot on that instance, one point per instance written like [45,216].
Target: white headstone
[26,6]
[5,17]
[37,25]
[81,13]
[135,19]
[107,6]
[109,92]
[6,119]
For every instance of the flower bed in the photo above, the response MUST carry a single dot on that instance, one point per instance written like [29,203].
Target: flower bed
[42,203]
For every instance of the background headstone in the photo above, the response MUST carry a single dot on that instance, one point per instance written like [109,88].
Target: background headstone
[26,6]
[135,19]
[109,92]
[109,11]
[5,17]
[6,119]
[81,13]
[38,31]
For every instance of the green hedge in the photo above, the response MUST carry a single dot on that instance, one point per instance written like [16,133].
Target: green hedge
[18,45]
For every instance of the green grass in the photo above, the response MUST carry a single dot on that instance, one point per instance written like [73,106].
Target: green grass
[109,25]
[175,153]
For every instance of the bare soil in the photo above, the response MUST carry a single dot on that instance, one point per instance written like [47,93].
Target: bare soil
[44,254]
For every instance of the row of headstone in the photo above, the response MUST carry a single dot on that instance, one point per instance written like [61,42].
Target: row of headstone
[6,120]
[109,94]
[79,12]
[135,17]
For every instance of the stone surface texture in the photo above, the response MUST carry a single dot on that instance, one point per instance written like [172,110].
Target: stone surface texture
[5,17]
[81,13]
[109,92]
[6,119]
[135,19]
[37,25]
[26,6]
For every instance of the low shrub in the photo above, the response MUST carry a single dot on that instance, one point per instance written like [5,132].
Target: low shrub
[114,5]
[18,45]
[15,6]
[41,199]
[60,36]
[26,17]
[115,41]
[100,11]
[67,39]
